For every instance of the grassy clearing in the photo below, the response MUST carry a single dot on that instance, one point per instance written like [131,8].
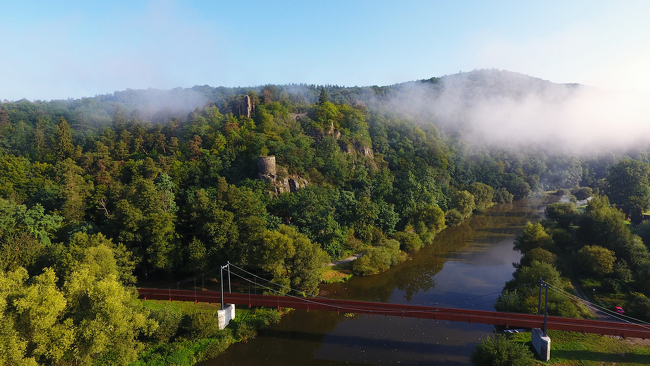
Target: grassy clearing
[336,274]
[184,307]
[570,348]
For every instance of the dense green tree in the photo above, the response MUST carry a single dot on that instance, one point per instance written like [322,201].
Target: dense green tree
[304,266]
[73,191]
[409,242]
[534,236]
[603,225]
[627,185]
[142,224]
[483,195]
[378,259]
[63,146]
[503,196]
[538,254]
[595,260]
[464,203]
[16,219]
[562,213]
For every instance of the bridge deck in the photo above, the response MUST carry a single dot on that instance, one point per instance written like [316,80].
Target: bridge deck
[508,320]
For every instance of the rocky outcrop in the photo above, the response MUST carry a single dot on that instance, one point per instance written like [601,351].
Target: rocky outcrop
[269,172]
[366,151]
[243,106]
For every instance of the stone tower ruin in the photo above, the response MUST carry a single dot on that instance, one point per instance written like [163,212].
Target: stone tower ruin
[266,168]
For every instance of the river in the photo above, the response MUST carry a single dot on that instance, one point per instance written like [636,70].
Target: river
[465,267]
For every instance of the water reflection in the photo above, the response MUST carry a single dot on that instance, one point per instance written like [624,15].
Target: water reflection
[465,267]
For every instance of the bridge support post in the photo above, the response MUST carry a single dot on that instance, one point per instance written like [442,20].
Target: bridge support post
[542,344]
[225,315]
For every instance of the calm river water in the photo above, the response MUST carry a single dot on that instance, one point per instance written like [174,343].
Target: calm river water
[465,267]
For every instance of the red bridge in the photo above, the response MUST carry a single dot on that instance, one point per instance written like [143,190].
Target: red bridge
[507,320]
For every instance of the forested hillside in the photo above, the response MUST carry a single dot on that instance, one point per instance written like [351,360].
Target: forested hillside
[101,192]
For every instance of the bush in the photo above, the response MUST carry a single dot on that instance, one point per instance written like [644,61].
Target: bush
[562,213]
[611,286]
[497,350]
[169,323]
[622,271]
[373,261]
[453,217]
[202,324]
[532,274]
[503,196]
[638,307]
[409,242]
[538,254]
[596,260]
[535,236]
[562,192]
[378,259]
[583,193]
[483,195]
[245,331]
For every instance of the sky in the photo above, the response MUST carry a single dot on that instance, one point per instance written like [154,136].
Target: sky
[72,49]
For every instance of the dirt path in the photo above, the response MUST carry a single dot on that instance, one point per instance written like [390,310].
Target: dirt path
[346,260]
[596,312]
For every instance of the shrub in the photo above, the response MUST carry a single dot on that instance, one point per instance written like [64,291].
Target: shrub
[409,242]
[169,323]
[378,259]
[562,192]
[611,286]
[202,324]
[503,196]
[532,274]
[538,254]
[245,331]
[562,213]
[497,350]
[596,260]
[583,193]
[453,217]
[639,307]
[483,195]
[622,271]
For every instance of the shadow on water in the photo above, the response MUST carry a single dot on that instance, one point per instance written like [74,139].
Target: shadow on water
[364,342]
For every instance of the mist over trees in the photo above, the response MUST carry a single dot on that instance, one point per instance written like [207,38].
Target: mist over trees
[153,185]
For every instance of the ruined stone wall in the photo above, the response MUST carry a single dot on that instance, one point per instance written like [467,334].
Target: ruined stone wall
[268,171]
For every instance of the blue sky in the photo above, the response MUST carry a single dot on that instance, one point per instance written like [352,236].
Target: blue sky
[53,50]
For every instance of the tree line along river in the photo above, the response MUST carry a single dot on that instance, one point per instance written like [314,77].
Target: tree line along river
[465,267]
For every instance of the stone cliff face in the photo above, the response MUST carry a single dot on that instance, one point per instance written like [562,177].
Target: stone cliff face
[281,181]
[242,107]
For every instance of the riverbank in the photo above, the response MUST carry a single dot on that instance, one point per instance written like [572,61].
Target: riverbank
[188,333]
[569,348]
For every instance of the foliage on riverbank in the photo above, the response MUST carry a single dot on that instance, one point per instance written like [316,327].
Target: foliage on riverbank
[567,348]
[570,348]
[337,273]
[188,333]
[498,350]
